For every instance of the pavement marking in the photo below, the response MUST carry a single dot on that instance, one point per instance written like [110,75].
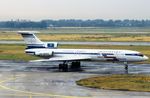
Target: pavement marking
[12,78]
[30,94]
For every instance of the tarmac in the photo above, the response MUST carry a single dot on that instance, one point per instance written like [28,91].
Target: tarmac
[20,79]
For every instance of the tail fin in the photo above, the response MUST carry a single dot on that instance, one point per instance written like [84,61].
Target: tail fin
[29,37]
[33,42]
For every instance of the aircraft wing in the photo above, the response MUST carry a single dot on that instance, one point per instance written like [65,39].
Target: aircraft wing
[67,58]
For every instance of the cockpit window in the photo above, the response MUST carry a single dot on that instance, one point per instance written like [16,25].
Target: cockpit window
[141,55]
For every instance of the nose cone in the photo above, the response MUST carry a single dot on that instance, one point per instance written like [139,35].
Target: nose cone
[145,58]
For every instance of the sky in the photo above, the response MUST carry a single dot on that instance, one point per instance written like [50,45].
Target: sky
[74,9]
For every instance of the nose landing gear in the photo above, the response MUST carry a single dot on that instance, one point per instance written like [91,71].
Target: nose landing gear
[126,67]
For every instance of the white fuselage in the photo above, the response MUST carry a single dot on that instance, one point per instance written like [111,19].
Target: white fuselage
[93,54]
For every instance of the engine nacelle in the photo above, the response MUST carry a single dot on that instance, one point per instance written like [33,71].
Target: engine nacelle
[44,45]
[44,54]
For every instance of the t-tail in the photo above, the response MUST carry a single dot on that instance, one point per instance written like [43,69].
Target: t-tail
[34,42]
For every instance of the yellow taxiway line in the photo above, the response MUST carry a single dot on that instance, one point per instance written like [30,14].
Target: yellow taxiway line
[30,94]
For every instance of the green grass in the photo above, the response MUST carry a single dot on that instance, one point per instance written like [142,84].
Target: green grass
[87,30]
[85,34]
[118,82]
[14,52]
[77,34]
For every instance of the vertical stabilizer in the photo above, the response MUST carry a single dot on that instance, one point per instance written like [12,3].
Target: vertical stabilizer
[30,38]
[33,42]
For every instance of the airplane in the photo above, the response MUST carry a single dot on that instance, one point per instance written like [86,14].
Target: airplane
[49,52]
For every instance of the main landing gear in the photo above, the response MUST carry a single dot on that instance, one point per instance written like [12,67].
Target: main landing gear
[64,67]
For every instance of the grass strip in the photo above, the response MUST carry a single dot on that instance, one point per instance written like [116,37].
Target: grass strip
[118,82]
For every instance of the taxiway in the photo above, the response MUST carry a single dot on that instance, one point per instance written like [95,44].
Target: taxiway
[42,80]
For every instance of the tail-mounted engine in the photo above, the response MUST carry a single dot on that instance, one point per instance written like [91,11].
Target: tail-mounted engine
[43,45]
[44,54]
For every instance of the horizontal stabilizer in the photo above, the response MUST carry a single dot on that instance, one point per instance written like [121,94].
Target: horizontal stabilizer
[27,32]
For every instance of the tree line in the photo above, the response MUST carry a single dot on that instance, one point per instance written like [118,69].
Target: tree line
[74,23]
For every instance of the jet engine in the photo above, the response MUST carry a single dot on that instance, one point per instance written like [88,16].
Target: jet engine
[44,53]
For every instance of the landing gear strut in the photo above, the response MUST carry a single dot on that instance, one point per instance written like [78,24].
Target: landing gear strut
[63,67]
[126,67]
[73,67]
